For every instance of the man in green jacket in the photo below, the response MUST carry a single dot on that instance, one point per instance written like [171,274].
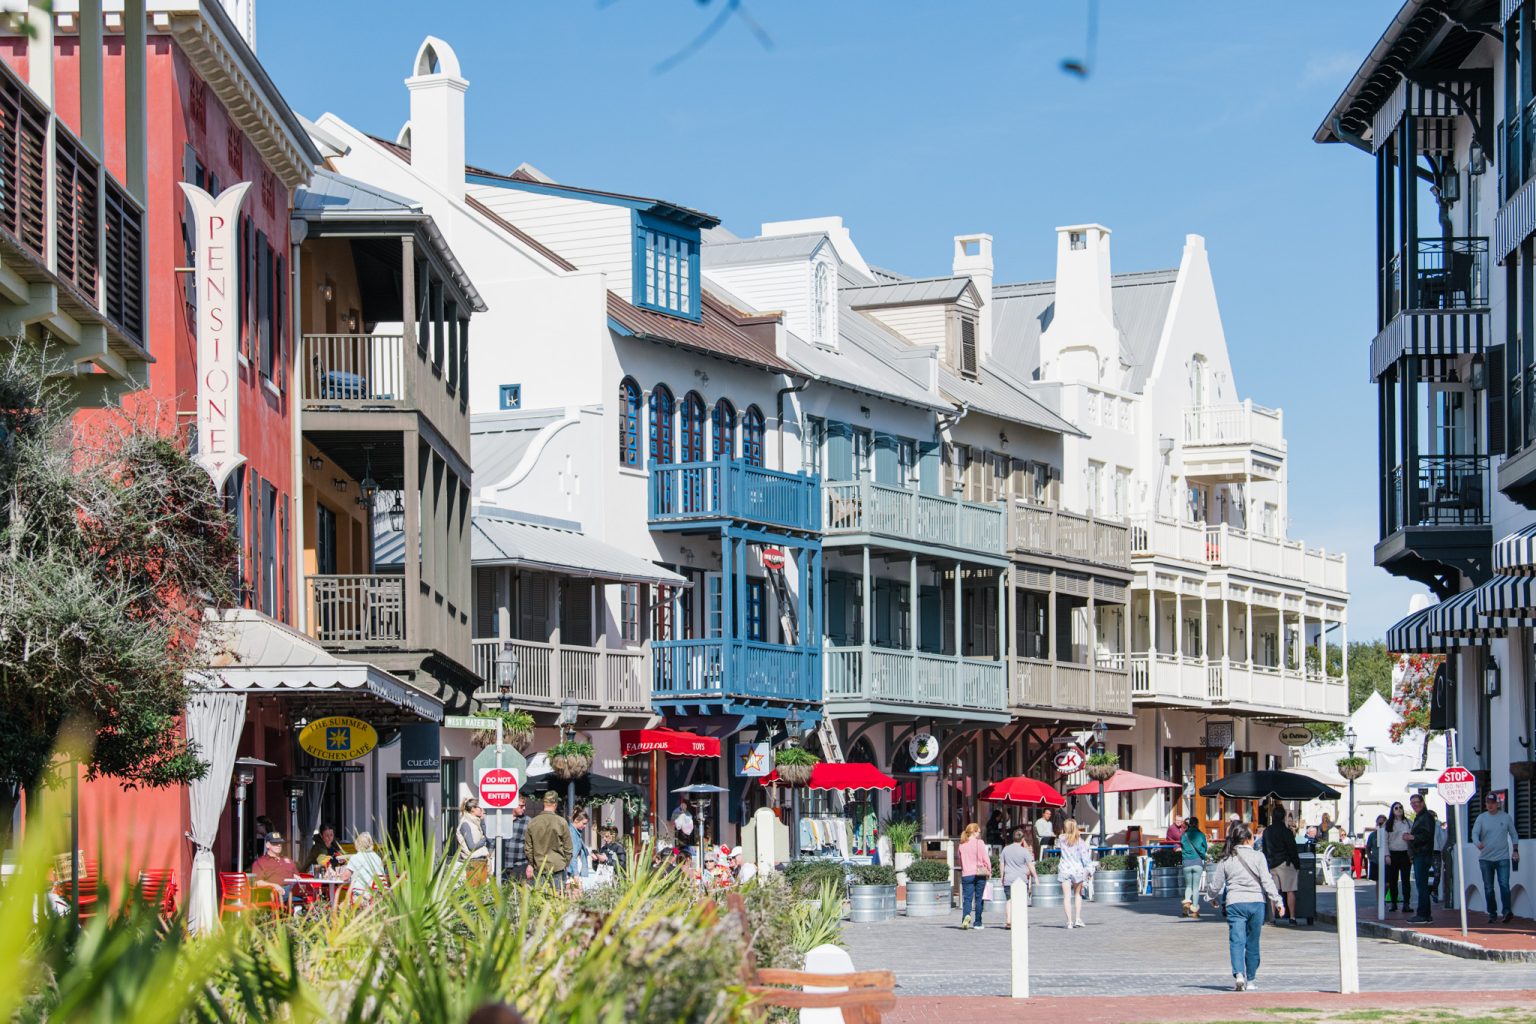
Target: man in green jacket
[549,843]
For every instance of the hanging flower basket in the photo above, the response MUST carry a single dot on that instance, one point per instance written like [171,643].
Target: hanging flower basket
[1351,768]
[570,760]
[516,730]
[794,765]
[795,774]
[1101,772]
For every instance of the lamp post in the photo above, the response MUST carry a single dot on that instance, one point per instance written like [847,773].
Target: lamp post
[1100,731]
[568,712]
[1349,741]
[794,727]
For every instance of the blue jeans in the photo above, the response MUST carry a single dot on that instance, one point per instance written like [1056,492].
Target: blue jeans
[1421,863]
[1193,869]
[1245,921]
[971,888]
[1495,870]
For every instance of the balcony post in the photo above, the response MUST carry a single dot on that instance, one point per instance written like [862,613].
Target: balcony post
[409,333]
[912,604]
[1226,628]
[1344,648]
[1285,663]
[1050,621]
[1093,650]
[728,568]
[1002,622]
[864,598]
[959,616]
[411,552]
[1178,622]
[1248,629]
[1151,621]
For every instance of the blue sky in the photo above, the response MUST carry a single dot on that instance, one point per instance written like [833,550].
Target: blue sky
[919,121]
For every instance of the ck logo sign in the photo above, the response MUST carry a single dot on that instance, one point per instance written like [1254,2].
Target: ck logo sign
[338,738]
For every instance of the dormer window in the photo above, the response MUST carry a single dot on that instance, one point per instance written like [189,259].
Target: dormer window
[666,267]
[821,306]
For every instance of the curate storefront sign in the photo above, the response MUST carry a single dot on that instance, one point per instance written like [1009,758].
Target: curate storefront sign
[337,738]
[216,274]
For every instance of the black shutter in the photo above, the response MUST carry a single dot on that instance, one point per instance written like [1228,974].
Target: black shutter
[1498,383]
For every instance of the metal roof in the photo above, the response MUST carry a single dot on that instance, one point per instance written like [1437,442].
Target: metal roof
[500,537]
[715,333]
[997,394]
[910,292]
[772,249]
[498,440]
[527,183]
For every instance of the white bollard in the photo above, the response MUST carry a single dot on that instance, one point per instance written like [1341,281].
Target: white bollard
[1020,939]
[1349,952]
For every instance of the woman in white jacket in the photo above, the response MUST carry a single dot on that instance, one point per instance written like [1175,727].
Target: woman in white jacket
[1241,884]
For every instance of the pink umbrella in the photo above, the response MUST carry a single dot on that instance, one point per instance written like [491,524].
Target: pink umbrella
[1123,782]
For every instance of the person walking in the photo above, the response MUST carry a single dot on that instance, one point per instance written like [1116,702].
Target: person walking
[474,851]
[1076,867]
[1283,859]
[1497,844]
[975,869]
[1241,885]
[514,845]
[549,843]
[1195,848]
[1399,859]
[581,854]
[1018,862]
[1421,842]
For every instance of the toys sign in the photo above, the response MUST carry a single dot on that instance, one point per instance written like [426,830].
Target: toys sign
[1456,785]
[1069,760]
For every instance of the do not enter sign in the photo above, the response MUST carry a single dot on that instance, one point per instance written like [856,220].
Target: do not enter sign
[498,788]
[1456,785]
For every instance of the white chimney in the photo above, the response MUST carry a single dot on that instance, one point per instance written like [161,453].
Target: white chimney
[437,117]
[1082,340]
[973,259]
[243,14]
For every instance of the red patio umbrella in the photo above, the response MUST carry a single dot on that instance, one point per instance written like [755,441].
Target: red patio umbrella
[834,775]
[1123,782]
[1022,790]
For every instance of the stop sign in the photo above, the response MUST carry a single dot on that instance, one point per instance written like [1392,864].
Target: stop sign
[498,788]
[1456,785]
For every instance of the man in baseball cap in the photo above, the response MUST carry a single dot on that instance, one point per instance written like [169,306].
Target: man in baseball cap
[272,870]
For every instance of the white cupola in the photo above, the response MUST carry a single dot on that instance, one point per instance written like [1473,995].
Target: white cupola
[437,117]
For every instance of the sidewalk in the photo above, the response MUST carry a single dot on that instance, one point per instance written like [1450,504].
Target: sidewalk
[1235,1006]
[1509,943]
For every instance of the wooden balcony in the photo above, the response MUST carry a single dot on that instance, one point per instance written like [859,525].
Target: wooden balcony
[709,494]
[1038,530]
[1102,688]
[1229,547]
[545,675]
[357,610]
[1189,680]
[863,680]
[863,508]
[719,670]
[375,374]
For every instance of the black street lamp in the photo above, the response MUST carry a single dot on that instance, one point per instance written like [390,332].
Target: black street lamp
[1100,731]
[1349,741]
[569,711]
[795,729]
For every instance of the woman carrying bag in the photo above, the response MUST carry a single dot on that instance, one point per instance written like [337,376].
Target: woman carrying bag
[1194,848]
[975,870]
[1240,886]
[473,849]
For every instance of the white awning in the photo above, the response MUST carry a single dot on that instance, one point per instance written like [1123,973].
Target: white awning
[258,655]
[1458,617]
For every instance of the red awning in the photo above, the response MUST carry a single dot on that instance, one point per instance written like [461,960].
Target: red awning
[1022,790]
[827,775]
[1124,782]
[667,741]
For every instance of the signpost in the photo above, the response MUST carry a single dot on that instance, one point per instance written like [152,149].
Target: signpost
[498,788]
[1069,761]
[1456,786]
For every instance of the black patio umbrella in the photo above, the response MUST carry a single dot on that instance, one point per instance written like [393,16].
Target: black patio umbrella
[1278,784]
[588,786]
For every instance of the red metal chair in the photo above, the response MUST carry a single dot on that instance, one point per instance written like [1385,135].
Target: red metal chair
[234,893]
[157,888]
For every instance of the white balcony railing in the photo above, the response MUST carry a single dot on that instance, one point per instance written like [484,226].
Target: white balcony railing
[1192,678]
[1226,546]
[546,674]
[1103,688]
[1051,531]
[1245,425]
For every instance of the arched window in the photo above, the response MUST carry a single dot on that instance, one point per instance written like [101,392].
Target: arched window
[662,407]
[693,428]
[629,422]
[724,447]
[752,436]
[1198,384]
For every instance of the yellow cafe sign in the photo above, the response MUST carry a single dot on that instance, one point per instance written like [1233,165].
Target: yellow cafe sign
[338,738]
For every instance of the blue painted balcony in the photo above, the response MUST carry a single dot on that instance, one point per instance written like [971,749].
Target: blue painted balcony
[721,671]
[702,494]
[864,680]
[865,509]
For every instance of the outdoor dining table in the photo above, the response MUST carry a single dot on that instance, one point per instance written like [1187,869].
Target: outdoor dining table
[333,883]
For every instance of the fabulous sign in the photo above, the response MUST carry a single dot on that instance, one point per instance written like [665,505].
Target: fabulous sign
[218,329]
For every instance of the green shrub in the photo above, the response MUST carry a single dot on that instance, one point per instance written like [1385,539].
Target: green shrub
[570,748]
[1104,757]
[874,874]
[796,756]
[903,834]
[1216,851]
[1167,858]
[1116,862]
[805,877]
[1047,865]
[928,871]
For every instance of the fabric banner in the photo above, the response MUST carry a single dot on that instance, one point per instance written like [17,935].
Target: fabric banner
[214,723]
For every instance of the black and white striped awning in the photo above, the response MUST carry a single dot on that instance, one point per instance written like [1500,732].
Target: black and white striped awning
[1412,636]
[1429,334]
[1515,555]
[1508,601]
[1458,618]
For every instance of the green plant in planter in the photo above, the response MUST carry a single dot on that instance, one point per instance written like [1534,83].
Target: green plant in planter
[928,871]
[806,877]
[1352,767]
[903,834]
[796,757]
[1105,758]
[1167,858]
[874,874]
[997,866]
[1047,865]
[570,748]
[516,728]
[1215,851]
[1116,862]
[1341,851]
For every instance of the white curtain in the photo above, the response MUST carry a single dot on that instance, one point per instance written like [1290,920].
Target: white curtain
[214,722]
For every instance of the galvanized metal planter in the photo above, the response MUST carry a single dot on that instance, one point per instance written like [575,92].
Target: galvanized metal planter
[872,903]
[929,899]
[1167,882]
[1115,887]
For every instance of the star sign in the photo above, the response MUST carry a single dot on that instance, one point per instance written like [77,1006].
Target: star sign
[752,761]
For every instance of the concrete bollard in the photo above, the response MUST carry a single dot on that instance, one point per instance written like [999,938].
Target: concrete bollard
[1349,951]
[1019,944]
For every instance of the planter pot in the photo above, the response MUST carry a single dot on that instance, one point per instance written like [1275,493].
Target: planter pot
[1101,772]
[1350,772]
[1168,883]
[871,903]
[520,740]
[1047,892]
[902,862]
[795,774]
[1522,771]
[929,899]
[570,766]
[994,910]
[1115,887]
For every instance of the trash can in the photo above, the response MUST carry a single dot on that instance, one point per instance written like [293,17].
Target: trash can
[1306,886]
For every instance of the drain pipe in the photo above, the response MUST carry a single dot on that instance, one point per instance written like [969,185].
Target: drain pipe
[779,406]
[946,423]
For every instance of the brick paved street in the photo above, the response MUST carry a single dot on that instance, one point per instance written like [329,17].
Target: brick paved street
[1146,949]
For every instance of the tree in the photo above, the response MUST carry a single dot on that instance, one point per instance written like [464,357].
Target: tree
[1414,698]
[1370,671]
[112,544]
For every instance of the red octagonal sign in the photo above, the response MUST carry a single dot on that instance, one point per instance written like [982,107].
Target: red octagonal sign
[498,788]
[1456,785]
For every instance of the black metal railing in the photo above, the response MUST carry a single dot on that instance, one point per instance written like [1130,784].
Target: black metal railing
[1446,490]
[1519,156]
[1448,273]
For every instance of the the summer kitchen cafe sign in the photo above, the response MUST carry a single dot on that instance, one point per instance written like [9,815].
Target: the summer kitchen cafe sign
[216,273]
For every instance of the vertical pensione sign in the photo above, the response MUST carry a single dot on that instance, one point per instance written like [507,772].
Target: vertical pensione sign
[217,272]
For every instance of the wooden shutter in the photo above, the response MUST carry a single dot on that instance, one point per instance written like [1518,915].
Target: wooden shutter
[576,614]
[885,460]
[485,603]
[1498,383]
[930,620]
[968,346]
[839,451]
[837,609]
[928,467]
[533,607]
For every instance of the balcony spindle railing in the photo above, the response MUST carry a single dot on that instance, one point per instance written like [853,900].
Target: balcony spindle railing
[698,491]
[351,370]
[1446,490]
[531,672]
[863,506]
[357,609]
[1053,531]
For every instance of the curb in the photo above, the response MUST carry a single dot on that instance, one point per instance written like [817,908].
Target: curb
[1440,944]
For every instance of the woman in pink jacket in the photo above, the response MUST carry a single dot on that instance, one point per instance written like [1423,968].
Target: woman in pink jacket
[975,869]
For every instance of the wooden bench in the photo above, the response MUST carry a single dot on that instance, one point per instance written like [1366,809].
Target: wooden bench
[864,997]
